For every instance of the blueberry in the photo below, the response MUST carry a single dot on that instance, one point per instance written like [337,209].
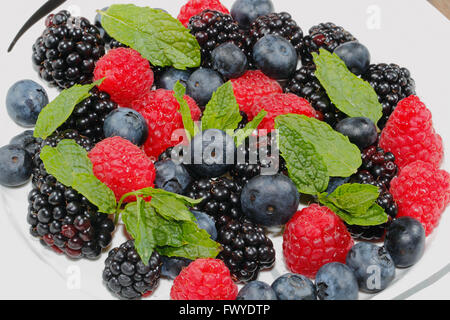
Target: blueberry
[245,12]
[212,153]
[229,60]
[27,141]
[336,182]
[16,166]
[171,76]
[336,281]
[359,130]
[24,101]
[171,176]
[373,266]
[202,84]
[171,267]
[355,56]
[275,56]
[294,287]
[128,124]
[270,200]
[207,223]
[405,241]
[256,290]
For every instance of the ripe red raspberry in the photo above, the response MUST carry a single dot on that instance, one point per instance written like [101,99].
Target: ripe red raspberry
[204,279]
[251,86]
[422,192]
[128,75]
[278,104]
[194,7]
[160,110]
[122,166]
[313,237]
[410,136]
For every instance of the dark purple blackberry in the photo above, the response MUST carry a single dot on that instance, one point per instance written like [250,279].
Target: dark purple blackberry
[89,115]
[212,28]
[127,276]
[392,84]
[305,84]
[246,249]
[221,197]
[244,120]
[378,169]
[325,35]
[66,52]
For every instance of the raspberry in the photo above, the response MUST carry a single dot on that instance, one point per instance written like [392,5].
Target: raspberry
[278,104]
[160,110]
[195,7]
[314,237]
[204,279]
[128,75]
[122,166]
[422,192]
[251,86]
[410,136]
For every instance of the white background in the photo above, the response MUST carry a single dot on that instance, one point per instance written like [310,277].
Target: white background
[411,33]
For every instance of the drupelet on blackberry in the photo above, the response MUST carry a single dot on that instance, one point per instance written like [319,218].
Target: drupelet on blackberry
[66,52]
[126,276]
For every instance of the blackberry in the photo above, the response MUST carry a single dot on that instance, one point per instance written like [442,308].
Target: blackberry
[378,169]
[220,197]
[66,52]
[212,28]
[325,35]
[127,276]
[246,249]
[305,84]
[392,84]
[89,115]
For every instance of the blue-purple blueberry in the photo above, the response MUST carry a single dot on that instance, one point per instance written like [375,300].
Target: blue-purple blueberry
[256,290]
[294,287]
[128,124]
[336,281]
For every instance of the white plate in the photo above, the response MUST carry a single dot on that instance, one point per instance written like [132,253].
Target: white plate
[410,33]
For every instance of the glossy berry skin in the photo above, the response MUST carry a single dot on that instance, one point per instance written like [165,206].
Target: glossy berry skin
[372,265]
[202,84]
[270,200]
[212,153]
[355,55]
[275,56]
[172,266]
[256,290]
[336,182]
[171,176]
[169,77]
[128,124]
[229,60]
[294,287]
[206,222]
[405,241]
[336,281]
[360,131]
[195,7]
[246,11]
[16,166]
[24,101]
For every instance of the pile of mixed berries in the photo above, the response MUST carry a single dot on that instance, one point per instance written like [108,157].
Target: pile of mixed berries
[126,126]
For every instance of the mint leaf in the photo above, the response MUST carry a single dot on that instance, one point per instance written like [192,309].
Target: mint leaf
[306,166]
[155,34]
[351,94]
[341,157]
[241,134]
[59,110]
[171,208]
[354,198]
[222,111]
[188,123]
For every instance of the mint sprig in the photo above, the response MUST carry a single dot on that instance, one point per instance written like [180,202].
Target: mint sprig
[189,125]
[241,134]
[155,34]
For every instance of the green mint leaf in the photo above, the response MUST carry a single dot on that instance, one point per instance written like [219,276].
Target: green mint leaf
[222,111]
[341,157]
[171,208]
[354,198]
[155,34]
[305,165]
[351,94]
[59,110]
[241,134]
[189,125]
